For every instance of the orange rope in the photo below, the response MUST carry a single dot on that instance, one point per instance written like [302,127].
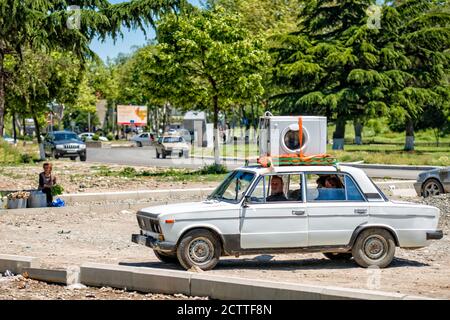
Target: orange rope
[299,159]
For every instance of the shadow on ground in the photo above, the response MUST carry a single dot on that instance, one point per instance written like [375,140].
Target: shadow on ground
[266,262]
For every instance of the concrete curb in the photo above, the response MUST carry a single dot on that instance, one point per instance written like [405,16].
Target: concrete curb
[218,287]
[67,276]
[16,264]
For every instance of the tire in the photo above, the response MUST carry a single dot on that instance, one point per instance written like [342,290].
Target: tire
[382,244]
[54,156]
[338,256]
[139,144]
[164,155]
[199,248]
[166,258]
[432,187]
[73,158]
[83,158]
[157,154]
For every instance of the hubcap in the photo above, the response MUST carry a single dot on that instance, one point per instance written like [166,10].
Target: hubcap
[375,247]
[201,250]
[432,189]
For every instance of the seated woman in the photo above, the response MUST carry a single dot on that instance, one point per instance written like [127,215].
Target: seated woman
[333,189]
[46,181]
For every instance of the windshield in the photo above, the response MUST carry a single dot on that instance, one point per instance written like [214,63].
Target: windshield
[234,187]
[173,139]
[66,136]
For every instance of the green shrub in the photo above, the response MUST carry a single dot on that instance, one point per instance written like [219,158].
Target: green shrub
[213,169]
[95,137]
[26,158]
[128,172]
[110,136]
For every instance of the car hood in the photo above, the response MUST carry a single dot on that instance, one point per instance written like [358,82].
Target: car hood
[186,208]
[68,141]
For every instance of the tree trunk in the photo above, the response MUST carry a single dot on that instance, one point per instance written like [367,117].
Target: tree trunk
[14,127]
[24,128]
[38,135]
[339,134]
[216,130]
[409,141]
[2,94]
[358,132]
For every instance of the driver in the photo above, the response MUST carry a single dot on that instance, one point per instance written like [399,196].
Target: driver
[276,185]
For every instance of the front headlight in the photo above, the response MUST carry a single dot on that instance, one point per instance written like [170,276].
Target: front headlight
[60,146]
[82,146]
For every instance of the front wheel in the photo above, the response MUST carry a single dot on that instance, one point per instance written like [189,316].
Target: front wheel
[374,247]
[166,258]
[83,158]
[199,248]
[139,144]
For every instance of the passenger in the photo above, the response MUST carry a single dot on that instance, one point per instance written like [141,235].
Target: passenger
[333,182]
[276,186]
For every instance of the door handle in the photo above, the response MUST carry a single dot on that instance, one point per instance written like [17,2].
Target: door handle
[360,211]
[298,212]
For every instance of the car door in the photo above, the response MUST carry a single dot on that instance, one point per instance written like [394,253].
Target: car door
[333,213]
[275,224]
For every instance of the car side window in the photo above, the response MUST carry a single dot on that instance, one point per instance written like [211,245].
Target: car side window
[353,192]
[332,187]
[278,188]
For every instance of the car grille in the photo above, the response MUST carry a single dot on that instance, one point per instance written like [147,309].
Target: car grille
[149,224]
[71,146]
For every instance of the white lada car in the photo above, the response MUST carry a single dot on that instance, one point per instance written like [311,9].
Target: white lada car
[335,210]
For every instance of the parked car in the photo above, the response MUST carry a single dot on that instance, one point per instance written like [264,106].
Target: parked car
[8,139]
[64,144]
[288,209]
[170,145]
[87,136]
[144,139]
[433,182]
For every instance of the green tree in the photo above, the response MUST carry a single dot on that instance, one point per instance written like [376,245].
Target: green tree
[416,41]
[48,24]
[330,65]
[209,61]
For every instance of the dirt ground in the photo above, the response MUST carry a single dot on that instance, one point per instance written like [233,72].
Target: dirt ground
[78,177]
[61,240]
[20,288]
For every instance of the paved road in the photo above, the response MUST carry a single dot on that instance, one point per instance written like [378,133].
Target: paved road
[147,157]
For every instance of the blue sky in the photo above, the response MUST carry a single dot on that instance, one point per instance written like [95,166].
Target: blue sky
[130,39]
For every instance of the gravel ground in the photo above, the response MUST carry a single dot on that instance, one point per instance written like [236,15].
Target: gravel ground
[65,239]
[20,288]
[86,177]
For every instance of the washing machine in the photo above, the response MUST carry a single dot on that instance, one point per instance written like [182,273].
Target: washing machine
[279,135]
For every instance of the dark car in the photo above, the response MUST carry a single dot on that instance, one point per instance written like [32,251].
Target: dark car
[433,182]
[64,144]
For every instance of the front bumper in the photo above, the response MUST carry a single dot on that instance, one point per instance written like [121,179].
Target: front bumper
[64,153]
[418,187]
[153,243]
[435,235]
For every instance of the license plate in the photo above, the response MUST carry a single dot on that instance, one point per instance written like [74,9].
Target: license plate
[71,151]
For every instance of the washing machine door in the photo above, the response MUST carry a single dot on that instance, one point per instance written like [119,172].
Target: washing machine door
[290,139]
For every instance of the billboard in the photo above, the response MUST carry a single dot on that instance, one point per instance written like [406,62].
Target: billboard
[132,115]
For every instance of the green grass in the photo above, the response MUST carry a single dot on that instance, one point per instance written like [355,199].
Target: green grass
[206,174]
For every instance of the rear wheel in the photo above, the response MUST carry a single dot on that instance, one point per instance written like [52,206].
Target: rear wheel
[166,258]
[164,154]
[374,247]
[200,248]
[432,187]
[338,256]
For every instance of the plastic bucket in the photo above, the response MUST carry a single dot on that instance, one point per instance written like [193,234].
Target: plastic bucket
[17,204]
[37,200]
